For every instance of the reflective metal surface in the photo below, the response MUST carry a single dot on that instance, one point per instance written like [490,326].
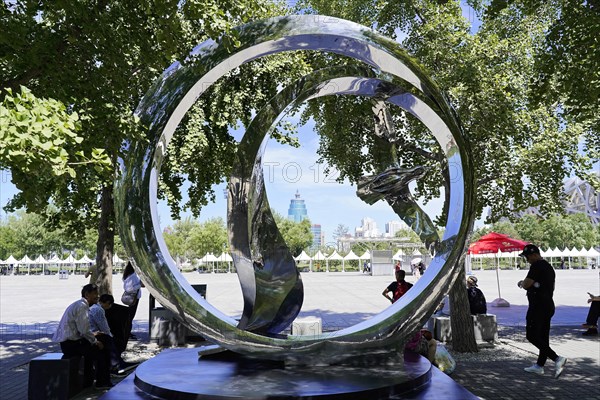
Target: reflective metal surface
[390,74]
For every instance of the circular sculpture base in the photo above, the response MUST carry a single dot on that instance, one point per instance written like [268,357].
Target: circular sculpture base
[179,373]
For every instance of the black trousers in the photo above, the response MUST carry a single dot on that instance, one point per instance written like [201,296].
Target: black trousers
[538,332]
[118,321]
[91,354]
[115,359]
[593,314]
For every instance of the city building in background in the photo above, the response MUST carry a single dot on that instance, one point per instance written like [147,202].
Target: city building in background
[297,211]
[318,236]
[392,227]
[368,229]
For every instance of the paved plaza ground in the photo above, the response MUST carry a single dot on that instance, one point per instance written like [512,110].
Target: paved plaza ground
[31,306]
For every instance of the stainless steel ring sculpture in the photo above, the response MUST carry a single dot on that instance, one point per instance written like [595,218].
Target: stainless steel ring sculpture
[391,74]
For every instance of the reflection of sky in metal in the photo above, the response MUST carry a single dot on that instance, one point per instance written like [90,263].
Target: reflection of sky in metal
[164,106]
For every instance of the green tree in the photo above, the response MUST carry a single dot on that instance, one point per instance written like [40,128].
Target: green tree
[409,234]
[522,147]
[567,62]
[208,237]
[99,58]
[177,237]
[297,235]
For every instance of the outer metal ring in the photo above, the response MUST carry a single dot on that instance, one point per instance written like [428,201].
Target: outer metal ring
[169,99]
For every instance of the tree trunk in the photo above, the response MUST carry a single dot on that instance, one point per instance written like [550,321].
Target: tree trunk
[106,241]
[461,322]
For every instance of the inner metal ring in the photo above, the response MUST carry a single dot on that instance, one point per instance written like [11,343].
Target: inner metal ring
[171,97]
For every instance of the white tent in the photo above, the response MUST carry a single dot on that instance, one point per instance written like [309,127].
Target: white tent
[350,256]
[334,256]
[85,260]
[225,257]
[366,255]
[398,255]
[9,260]
[303,257]
[210,257]
[69,260]
[26,261]
[319,256]
[117,260]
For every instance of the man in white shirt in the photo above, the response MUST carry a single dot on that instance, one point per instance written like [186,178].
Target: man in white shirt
[77,339]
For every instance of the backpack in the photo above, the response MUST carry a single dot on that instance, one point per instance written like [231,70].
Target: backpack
[401,288]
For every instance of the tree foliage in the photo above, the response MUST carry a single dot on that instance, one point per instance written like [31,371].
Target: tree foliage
[556,231]
[99,58]
[297,235]
[24,234]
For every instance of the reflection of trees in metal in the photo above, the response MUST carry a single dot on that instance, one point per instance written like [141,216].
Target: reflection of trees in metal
[392,186]
[395,77]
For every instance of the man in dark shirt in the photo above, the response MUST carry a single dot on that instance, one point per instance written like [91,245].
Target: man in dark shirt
[539,284]
[477,302]
[398,287]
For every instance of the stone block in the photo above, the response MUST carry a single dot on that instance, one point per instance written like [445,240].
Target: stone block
[484,325]
[52,377]
[307,326]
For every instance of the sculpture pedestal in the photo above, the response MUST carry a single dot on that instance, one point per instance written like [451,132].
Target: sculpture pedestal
[179,373]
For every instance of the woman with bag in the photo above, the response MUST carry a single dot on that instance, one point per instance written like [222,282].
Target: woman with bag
[132,286]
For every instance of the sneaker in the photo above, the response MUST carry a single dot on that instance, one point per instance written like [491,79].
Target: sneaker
[560,366]
[535,369]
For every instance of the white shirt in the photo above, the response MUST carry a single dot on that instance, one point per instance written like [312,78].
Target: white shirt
[132,284]
[98,322]
[75,323]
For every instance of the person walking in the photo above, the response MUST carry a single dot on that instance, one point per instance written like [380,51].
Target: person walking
[132,284]
[539,285]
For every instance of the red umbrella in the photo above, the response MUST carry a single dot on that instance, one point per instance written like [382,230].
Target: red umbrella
[493,243]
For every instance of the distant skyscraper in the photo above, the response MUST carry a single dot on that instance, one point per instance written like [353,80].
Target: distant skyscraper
[297,211]
[394,226]
[317,236]
[368,229]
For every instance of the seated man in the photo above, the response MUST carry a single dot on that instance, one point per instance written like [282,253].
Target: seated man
[77,339]
[101,329]
[477,301]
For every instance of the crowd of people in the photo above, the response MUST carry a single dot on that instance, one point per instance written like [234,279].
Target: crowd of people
[97,329]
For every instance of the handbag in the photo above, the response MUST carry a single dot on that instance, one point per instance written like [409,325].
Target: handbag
[128,298]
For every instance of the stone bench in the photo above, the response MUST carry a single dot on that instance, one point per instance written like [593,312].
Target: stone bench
[53,377]
[485,327]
